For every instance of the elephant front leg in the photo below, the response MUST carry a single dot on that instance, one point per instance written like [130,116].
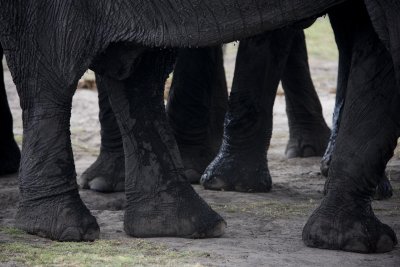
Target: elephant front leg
[9,151]
[160,200]
[241,164]
[365,142]
[50,205]
[107,173]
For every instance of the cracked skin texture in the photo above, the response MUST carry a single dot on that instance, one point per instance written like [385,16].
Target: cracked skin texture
[196,108]
[47,170]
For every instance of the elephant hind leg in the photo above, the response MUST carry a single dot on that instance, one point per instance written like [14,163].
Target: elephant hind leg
[309,133]
[365,143]
[160,200]
[107,173]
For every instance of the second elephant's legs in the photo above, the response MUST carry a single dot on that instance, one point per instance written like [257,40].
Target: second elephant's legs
[261,63]
[107,173]
[241,163]
[309,133]
[196,107]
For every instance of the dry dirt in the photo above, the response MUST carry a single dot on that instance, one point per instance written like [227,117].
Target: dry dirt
[263,229]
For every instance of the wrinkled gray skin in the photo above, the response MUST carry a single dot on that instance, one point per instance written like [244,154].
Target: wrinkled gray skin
[261,63]
[47,57]
[196,108]
[366,138]
[384,189]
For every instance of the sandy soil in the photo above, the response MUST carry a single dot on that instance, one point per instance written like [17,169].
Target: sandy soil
[263,229]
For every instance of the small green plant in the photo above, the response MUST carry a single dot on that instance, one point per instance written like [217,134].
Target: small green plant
[132,252]
[12,231]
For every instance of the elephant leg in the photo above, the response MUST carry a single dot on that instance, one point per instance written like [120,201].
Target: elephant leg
[309,133]
[384,189]
[9,151]
[160,200]
[196,107]
[344,38]
[365,142]
[49,204]
[107,173]
[241,163]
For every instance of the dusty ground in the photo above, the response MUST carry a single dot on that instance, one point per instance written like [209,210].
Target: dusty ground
[263,229]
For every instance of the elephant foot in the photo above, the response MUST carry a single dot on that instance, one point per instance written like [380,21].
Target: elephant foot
[10,157]
[384,189]
[176,211]
[308,143]
[242,174]
[195,161]
[344,225]
[106,174]
[62,217]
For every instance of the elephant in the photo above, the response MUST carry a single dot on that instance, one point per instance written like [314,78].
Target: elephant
[196,109]
[47,57]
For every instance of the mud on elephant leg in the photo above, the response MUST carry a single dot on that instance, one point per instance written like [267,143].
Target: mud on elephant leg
[196,107]
[107,173]
[309,133]
[367,137]
[241,163]
[160,200]
[9,151]
[50,205]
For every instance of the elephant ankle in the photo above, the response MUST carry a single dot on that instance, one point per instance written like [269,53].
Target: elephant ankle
[235,172]
[58,217]
[177,211]
[344,224]
[195,159]
[106,174]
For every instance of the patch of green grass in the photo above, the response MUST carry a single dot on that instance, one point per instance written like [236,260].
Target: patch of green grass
[12,231]
[272,209]
[321,41]
[135,252]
